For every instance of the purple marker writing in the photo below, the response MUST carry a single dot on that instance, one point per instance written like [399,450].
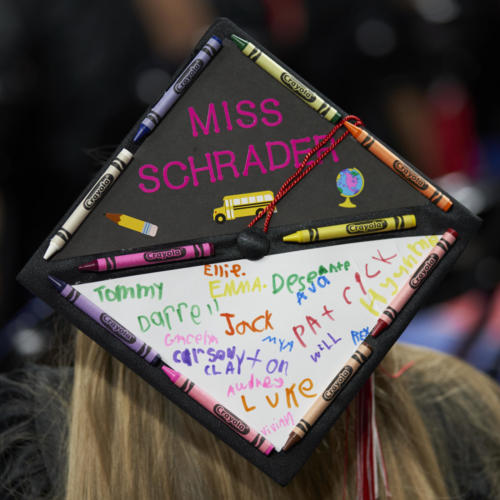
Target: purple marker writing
[105,320]
[187,77]
[151,257]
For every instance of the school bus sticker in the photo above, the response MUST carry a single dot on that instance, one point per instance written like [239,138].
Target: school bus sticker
[242,205]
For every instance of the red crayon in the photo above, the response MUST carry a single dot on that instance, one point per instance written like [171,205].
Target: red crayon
[222,413]
[147,258]
[415,281]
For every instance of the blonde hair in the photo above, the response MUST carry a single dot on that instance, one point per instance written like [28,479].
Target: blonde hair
[128,441]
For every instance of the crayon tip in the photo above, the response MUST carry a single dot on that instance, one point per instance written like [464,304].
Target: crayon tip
[378,328]
[89,266]
[217,38]
[141,133]
[240,43]
[291,441]
[170,373]
[355,131]
[58,283]
[336,117]
[452,232]
[292,238]
[51,250]
[269,450]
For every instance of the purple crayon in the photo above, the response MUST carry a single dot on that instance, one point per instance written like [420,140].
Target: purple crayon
[188,76]
[105,320]
[111,263]
[221,412]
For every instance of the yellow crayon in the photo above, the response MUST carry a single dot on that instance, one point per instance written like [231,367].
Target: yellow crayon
[132,223]
[349,229]
[286,79]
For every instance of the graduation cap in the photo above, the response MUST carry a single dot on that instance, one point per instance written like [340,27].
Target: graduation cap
[242,243]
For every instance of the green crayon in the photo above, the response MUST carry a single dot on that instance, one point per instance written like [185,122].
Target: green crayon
[286,79]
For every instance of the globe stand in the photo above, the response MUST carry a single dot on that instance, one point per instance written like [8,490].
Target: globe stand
[347,203]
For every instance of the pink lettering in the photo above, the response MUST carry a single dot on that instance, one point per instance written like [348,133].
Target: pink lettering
[253,160]
[205,127]
[155,181]
[273,144]
[317,140]
[297,152]
[207,167]
[229,164]
[242,112]
[167,180]
[275,112]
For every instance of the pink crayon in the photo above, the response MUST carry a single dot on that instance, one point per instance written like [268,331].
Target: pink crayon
[415,281]
[222,413]
[147,258]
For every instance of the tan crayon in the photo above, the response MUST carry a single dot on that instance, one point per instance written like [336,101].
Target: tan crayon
[329,394]
[402,169]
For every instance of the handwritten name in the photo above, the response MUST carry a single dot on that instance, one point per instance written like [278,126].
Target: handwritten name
[294,283]
[197,339]
[259,324]
[121,292]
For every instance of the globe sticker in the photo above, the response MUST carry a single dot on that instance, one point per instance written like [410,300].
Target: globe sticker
[350,183]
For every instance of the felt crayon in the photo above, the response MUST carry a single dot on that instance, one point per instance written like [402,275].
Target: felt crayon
[209,403]
[350,229]
[93,197]
[160,256]
[106,321]
[329,394]
[286,79]
[134,224]
[399,167]
[415,281]
[183,82]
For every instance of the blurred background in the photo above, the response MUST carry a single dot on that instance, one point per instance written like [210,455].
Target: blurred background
[75,76]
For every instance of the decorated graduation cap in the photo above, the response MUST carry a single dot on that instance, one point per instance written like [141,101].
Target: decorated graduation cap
[251,250]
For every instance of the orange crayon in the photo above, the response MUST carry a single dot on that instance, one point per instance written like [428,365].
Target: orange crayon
[402,169]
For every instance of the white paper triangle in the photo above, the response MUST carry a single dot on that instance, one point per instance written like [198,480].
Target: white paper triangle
[264,337]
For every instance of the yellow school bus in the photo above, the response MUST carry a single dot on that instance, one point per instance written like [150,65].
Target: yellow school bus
[242,205]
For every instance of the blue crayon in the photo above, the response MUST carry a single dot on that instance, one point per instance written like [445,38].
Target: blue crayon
[188,76]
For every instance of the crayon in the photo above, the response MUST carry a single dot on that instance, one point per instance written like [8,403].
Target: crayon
[148,258]
[106,321]
[329,394]
[188,76]
[349,229]
[286,79]
[415,281]
[222,413]
[402,169]
[132,223]
[94,196]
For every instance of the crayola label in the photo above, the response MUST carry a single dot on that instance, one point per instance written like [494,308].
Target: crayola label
[423,271]
[116,329]
[161,255]
[409,175]
[186,79]
[366,226]
[297,87]
[338,383]
[101,186]
[230,419]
